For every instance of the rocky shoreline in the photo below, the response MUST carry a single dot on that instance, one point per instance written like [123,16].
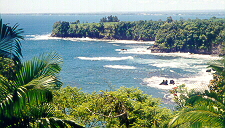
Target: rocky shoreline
[216,50]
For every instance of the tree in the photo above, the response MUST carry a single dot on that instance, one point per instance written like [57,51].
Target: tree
[60,29]
[25,100]
[195,36]
[26,92]
[169,19]
[205,109]
[77,22]
[10,46]
[125,107]
[110,19]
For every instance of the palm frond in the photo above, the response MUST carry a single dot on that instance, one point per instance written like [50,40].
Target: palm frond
[55,123]
[194,117]
[35,92]
[206,102]
[10,45]
[45,65]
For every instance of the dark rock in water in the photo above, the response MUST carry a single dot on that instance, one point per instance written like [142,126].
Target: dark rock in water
[172,82]
[124,49]
[165,82]
[208,70]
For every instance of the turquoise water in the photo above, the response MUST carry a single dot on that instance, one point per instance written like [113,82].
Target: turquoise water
[101,65]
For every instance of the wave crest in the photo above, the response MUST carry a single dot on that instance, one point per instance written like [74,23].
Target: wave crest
[40,37]
[199,82]
[106,58]
[120,66]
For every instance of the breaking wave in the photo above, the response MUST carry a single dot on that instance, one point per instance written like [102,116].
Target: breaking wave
[40,37]
[199,81]
[120,66]
[106,58]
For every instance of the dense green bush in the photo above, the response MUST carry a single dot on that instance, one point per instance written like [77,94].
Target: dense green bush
[125,107]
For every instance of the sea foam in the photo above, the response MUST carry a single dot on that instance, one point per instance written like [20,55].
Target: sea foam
[106,58]
[120,66]
[41,37]
[144,50]
[197,82]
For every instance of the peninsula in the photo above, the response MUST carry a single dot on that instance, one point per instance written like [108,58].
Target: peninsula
[200,36]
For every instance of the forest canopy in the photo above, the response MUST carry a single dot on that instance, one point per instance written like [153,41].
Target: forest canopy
[196,36]
[110,19]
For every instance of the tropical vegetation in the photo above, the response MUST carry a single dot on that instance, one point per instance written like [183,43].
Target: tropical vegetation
[26,87]
[110,19]
[196,36]
[125,107]
[31,93]
[202,108]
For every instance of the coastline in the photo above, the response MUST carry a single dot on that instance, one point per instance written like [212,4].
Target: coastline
[107,40]
[146,51]
[48,36]
[190,82]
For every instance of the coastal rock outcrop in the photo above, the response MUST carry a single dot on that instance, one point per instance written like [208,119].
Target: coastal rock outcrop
[164,82]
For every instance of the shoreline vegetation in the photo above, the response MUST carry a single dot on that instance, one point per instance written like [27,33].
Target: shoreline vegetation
[198,36]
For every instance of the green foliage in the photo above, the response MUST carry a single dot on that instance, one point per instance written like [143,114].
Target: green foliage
[7,67]
[195,36]
[110,19]
[26,88]
[10,46]
[77,22]
[181,95]
[126,107]
[204,109]
[60,29]
[26,96]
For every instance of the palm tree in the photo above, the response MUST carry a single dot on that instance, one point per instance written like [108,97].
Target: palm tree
[201,111]
[26,92]
[10,49]
[10,45]
[207,109]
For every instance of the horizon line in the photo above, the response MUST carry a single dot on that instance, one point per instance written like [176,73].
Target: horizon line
[122,12]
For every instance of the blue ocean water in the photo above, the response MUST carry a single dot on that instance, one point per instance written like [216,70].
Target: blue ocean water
[101,65]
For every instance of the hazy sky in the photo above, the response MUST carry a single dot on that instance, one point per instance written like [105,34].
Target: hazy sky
[84,6]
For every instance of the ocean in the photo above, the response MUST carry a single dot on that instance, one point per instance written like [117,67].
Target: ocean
[95,65]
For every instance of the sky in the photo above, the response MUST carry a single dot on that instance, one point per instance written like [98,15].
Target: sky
[93,6]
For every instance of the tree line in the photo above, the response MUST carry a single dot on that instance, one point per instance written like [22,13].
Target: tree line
[195,36]
[110,19]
